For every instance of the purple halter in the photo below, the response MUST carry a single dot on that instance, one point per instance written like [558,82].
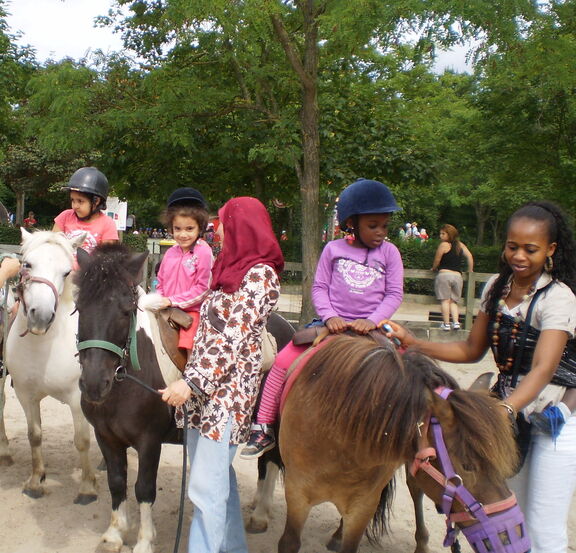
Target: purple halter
[488,534]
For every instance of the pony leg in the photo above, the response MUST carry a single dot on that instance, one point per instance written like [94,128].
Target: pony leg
[335,542]
[33,486]
[5,457]
[421,535]
[355,522]
[87,493]
[117,465]
[297,510]
[148,460]
[263,498]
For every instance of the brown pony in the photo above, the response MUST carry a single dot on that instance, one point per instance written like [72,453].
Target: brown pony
[358,411]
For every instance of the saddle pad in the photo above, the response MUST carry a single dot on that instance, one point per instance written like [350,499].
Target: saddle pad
[296,368]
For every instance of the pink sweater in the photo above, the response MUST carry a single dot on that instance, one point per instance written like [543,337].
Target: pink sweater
[184,277]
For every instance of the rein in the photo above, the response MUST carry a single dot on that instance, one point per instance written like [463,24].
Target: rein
[484,535]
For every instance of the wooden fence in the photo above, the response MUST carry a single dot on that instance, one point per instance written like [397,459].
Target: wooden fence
[470,281]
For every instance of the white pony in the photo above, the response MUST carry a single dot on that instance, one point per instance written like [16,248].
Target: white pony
[41,351]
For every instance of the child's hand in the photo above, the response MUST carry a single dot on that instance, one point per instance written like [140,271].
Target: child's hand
[336,325]
[406,338]
[361,326]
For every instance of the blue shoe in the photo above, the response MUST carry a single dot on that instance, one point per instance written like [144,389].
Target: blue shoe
[260,441]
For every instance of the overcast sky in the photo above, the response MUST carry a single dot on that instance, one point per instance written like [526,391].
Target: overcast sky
[65,28]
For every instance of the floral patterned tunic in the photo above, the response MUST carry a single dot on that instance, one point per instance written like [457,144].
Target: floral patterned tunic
[226,359]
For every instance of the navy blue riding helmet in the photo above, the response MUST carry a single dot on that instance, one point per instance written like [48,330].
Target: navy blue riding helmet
[188,196]
[365,196]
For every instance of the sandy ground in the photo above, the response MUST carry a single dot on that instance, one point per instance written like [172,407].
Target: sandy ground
[53,524]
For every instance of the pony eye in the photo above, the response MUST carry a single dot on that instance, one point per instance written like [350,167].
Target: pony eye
[26,265]
[67,273]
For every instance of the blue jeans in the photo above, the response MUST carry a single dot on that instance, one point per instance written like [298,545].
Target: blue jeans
[217,525]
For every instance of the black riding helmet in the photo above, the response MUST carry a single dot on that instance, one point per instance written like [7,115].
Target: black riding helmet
[187,196]
[90,181]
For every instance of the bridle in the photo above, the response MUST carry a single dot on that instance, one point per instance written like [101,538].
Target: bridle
[487,534]
[25,279]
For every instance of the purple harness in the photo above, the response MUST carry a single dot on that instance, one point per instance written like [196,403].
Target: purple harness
[488,534]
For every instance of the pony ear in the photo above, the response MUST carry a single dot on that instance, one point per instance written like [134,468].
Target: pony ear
[482,382]
[83,257]
[442,410]
[136,264]
[77,241]
[25,234]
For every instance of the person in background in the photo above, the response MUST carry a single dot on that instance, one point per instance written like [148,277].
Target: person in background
[358,282]
[88,189]
[183,278]
[221,381]
[448,283]
[423,235]
[527,317]
[30,221]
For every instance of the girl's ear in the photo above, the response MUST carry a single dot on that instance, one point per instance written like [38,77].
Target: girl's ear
[551,249]
[349,223]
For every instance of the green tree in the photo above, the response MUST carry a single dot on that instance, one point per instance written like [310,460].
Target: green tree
[245,37]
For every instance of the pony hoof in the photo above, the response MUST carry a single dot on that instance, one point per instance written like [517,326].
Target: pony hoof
[106,547]
[85,498]
[256,526]
[6,461]
[333,544]
[35,493]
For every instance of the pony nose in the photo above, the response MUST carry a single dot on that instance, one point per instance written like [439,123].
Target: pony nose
[39,320]
[95,391]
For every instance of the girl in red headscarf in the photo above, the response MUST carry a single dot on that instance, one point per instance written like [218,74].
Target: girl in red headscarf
[222,378]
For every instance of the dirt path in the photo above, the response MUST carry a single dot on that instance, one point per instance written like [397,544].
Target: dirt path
[54,524]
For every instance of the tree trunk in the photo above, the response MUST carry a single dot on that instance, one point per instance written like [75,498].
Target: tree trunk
[308,170]
[20,199]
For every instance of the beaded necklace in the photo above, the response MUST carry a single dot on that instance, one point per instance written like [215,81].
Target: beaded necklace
[509,361]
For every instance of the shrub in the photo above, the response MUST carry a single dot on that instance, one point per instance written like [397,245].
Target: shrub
[136,242]
[10,235]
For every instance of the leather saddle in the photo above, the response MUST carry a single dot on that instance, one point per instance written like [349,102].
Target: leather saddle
[170,320]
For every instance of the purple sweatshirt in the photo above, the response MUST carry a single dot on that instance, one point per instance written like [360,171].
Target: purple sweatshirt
[358,283]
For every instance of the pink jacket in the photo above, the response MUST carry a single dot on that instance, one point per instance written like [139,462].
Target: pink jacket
[185,277]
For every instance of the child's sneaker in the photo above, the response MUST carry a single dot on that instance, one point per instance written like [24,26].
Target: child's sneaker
[445,326]
[455,326]
[260,441]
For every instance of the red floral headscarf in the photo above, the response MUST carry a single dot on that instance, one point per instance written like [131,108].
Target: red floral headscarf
[248,240]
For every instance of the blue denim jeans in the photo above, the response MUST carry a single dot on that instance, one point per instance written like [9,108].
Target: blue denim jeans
[217,525]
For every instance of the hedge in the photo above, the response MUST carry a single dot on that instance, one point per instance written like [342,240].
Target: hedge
[136,242]
[10,235]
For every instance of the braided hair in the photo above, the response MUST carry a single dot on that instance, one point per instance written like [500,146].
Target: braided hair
[564,258]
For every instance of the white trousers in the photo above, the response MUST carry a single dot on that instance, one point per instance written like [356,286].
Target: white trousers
[545,487]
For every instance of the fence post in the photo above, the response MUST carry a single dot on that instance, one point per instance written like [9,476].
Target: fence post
[470,295]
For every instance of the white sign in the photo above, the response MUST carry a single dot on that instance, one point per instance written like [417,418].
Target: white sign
[117,210]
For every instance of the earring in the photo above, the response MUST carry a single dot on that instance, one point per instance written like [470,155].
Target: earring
[503,257]
[549,265]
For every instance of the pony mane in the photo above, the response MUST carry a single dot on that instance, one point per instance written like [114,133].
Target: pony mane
[39,237]
[484,440]
[358,388]
[105,271]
